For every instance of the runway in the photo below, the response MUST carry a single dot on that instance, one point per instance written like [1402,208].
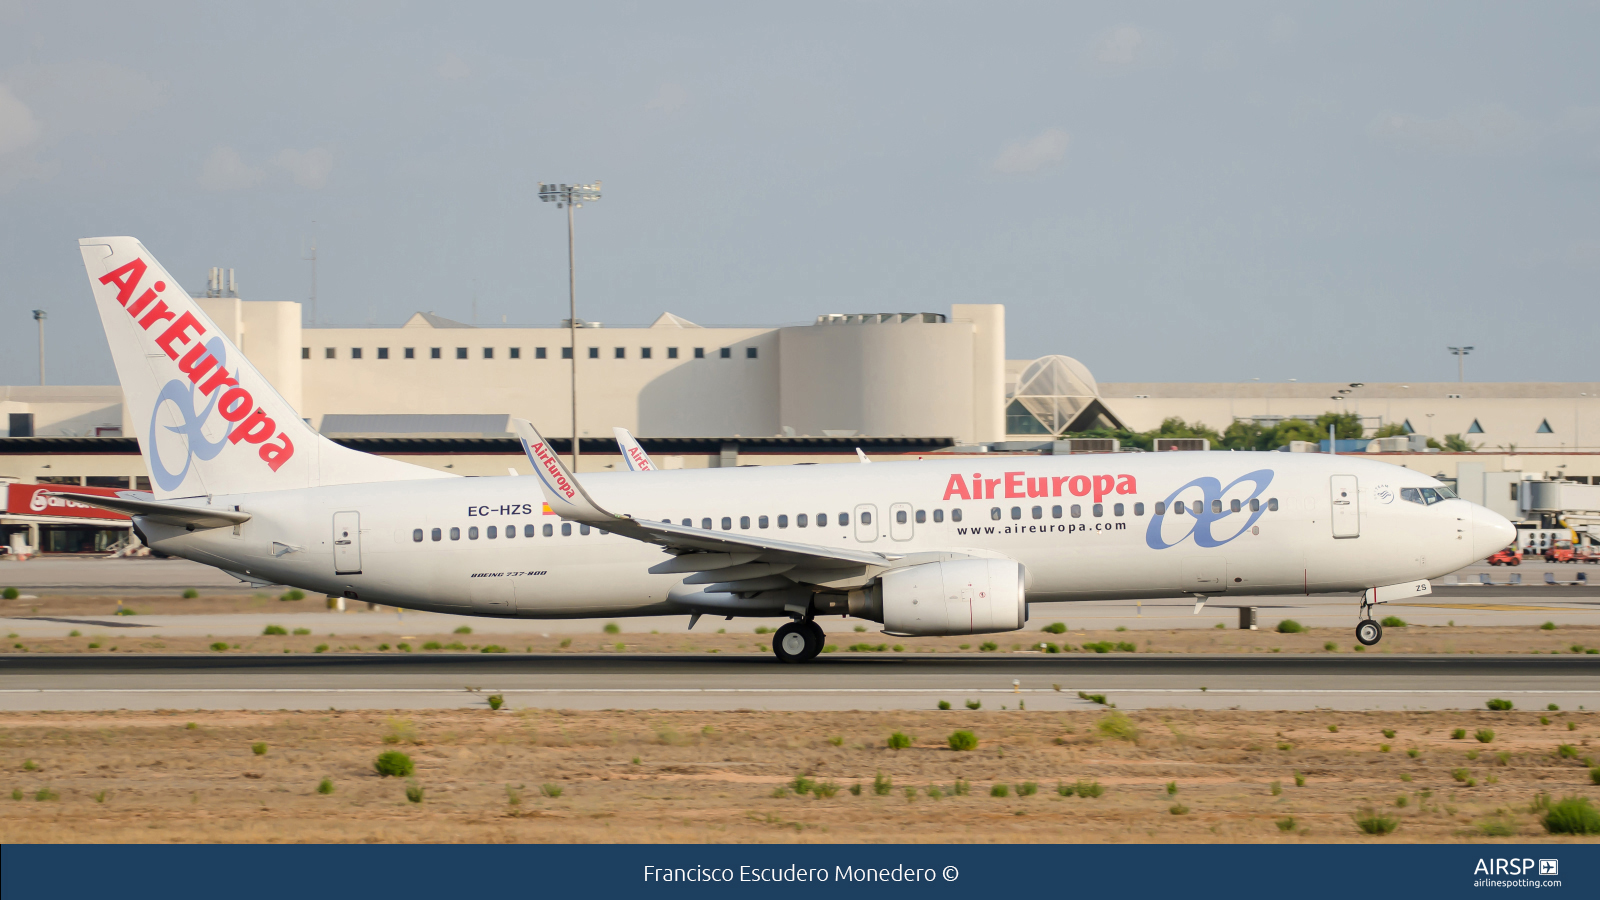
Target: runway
[1042,683]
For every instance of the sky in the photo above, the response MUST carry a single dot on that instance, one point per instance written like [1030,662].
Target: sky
[1165,191]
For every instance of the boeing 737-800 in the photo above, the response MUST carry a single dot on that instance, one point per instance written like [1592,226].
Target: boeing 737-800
[957,545]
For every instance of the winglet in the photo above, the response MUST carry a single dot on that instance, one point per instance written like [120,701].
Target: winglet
[632,454]
[860,453]
[562,492]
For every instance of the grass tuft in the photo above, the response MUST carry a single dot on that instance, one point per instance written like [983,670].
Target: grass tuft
[899,741]
[1286,823]
[273,629]
[1393,622]
[1055,628]
[325,786]
[190,594]
[882,784]
[612,628]
[258,748]
[999,790]
[1027,789]
[496,701]
[1499,705]
[963,740]
[1119,727]
[1290,626]
[551,790]
[414,792]
[1370,821]
[393,764]
[1484,735]
[944,704]
[1572,815]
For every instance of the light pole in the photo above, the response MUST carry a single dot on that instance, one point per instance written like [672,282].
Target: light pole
[571,196]
[39,316]
[1460,354]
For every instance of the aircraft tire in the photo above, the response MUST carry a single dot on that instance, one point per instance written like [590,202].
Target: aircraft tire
[819,638]
[796,643]
[1369,632]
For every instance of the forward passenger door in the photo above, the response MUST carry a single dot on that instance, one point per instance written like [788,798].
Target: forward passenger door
[1346,506]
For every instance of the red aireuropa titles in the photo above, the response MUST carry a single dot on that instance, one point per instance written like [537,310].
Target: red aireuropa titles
[1016,485]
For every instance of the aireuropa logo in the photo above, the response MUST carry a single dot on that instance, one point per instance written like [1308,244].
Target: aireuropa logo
[203,364]
[551,473]
[1207,506]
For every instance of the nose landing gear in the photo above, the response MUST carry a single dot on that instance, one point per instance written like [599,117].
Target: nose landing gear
[798,642]
[1368,631]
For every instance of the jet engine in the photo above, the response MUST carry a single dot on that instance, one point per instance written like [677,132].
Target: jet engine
[961,596]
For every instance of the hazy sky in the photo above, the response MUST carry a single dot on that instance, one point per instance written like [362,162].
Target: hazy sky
[1167,191]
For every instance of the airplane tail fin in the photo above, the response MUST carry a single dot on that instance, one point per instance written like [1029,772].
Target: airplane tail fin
[633,455]
[207,421]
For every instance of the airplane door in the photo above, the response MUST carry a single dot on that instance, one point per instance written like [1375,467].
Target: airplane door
[901,527]
[347,543]
[866,523]
[1205,574]
[1346,507]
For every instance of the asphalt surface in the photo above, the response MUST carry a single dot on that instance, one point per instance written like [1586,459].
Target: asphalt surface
[1279,681]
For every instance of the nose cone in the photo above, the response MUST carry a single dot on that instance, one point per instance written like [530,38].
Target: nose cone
[1491,532]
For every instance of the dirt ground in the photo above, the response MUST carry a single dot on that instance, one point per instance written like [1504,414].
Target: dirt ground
[345,635]
[625,776]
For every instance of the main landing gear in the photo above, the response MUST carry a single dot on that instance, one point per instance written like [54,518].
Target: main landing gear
[797,642]
[1368,631]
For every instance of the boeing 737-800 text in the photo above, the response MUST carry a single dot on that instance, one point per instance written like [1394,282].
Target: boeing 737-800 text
[931,547]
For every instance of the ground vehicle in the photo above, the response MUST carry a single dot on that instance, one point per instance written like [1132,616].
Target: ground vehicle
[1510,556]
[1560,551]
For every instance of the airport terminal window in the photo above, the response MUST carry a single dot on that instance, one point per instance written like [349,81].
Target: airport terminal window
[1138,509]
[455,533]
[538,353]
[955,515]
[1161,508]
[1272,504]
[437,534]
[672,353]
[922,516]
[566,352]
[1077,511]
[706,524]
[305,352]
[1116,510]
[583,529]
[472,533]
[435,353]
[938,515]
[515,352]
[699,353]
[621,353]
[761,522]
[461,353]
[727,523]
[783,521]
[411,353]
[866,517]
[644,352]
[1099,510]
[594,352]
[749,353]
[726,353]
[383,352]
[329,353]
[488,353]
[527,531]
[355,352]
[1038,512]
[994,513]
[549,530]
[799,521]
[416,535]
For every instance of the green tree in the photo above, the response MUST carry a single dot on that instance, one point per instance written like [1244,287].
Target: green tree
[1393,429]
[1345,425]
[1455,443]
[1245,434]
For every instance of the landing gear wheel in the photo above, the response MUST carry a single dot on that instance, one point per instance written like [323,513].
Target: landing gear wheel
[797,642]
[818,634]
[1369,632]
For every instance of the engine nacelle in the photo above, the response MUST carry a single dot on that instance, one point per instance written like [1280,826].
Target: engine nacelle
[961,596]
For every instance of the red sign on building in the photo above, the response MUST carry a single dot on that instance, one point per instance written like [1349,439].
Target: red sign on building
[30,500]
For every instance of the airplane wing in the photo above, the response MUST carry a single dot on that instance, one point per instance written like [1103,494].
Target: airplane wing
[167,513]
[719,559]
[632,453]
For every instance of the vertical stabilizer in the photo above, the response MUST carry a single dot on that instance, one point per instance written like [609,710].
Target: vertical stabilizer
[207,422]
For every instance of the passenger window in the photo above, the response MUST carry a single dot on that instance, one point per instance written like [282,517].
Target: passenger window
[799,521]
[994,513]
[1016,512]
[783,521]
[1177,508]
[583,529]
[549,530]
[744,521]
[866,518]
[566,529]
[761,522]
[1117,510]
[1055,512]
[1161,508]
[511,531]
[1272,504]
[472,533]
[527,531]
[688,523]
[1233,505]
[727,523]
[455,534]
[922,516]
[1138,509]
[1255,505]
[938,515]
[706,524]
[955,515]
[1099,510]
[493,531]
[437,534]
[416,534]
[1076,511]
[1038,512]
[844,519]
[900,517]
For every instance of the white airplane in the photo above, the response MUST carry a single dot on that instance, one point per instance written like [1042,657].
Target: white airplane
[932,547]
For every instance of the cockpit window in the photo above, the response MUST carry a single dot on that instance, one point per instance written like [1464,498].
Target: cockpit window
[1430,495]
[1412,495]
[1445,493]
[1426,496]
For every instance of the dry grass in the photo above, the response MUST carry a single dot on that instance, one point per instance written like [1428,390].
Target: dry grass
[712,776]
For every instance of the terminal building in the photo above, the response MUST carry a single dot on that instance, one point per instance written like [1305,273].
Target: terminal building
[897,385]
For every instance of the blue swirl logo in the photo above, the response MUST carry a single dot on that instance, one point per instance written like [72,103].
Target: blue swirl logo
[180,392]
[1210,512]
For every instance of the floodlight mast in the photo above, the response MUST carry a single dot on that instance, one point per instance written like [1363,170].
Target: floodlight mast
[1460,354]
[571,196]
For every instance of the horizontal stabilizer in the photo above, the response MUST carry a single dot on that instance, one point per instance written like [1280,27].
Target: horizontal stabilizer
[167,513]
